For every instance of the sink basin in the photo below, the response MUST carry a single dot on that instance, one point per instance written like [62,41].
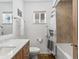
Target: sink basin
[6,50]
[11,43]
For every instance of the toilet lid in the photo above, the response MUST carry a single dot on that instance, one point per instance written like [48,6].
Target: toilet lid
[34,49]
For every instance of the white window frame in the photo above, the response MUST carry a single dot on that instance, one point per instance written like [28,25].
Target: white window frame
[39,12]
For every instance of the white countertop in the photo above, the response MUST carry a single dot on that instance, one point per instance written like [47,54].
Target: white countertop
[16,43]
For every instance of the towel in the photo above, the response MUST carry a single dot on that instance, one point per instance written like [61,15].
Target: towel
[50,45]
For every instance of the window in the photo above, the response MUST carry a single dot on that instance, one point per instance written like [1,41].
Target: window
[39,17]
[7,17]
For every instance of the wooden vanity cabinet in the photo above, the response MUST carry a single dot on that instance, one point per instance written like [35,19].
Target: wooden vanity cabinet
[23,53]
[18,55]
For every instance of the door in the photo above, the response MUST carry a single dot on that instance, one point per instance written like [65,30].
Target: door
[75,38]
[64,21]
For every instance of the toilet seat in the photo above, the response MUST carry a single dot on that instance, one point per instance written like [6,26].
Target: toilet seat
[34,50]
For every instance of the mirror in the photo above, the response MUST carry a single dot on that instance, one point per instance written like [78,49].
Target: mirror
[6,24]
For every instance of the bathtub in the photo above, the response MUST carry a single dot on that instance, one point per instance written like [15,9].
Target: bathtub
[64,51]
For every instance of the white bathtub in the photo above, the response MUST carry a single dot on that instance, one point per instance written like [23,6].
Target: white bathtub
[64,51]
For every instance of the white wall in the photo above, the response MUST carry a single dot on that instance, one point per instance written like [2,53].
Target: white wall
[18,23]
[36,31]
[17,4]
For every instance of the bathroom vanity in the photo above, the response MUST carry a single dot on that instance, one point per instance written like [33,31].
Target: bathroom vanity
[14,49]
[23,53]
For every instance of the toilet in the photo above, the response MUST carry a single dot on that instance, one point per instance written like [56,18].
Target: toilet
[34,51]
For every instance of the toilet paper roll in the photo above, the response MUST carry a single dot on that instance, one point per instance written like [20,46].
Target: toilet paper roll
[40,40]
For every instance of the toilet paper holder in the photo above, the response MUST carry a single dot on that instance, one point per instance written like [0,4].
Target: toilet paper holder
[40,40]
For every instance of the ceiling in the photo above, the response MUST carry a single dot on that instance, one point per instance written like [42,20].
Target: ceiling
[5,0]
[37,0]
[29,0]
[66,0]
[24,0]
